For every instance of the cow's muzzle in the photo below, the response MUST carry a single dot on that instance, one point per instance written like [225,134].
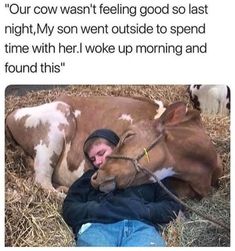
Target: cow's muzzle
[105,185]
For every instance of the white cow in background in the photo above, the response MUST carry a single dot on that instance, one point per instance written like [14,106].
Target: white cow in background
[210,99]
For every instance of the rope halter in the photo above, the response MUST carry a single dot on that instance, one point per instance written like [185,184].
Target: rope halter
[135,161]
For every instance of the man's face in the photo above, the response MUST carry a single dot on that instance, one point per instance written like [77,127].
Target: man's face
[98,154]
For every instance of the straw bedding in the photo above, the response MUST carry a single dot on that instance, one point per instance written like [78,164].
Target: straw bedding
[33,216]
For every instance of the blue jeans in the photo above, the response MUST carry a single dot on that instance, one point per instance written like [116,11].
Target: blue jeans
[126,233]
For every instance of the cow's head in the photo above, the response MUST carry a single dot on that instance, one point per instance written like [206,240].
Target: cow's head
[121,173]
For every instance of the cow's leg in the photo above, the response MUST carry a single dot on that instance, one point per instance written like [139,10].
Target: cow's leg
[47,155]
[43,169]
[201,184]
[204,177]
[182,189]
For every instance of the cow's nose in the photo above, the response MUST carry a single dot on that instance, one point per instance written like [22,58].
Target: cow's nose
[94,180]
[104,184]
[108,186]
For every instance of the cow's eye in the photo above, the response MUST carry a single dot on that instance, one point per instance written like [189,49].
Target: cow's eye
[128,136]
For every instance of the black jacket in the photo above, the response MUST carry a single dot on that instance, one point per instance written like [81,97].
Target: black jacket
[148,203]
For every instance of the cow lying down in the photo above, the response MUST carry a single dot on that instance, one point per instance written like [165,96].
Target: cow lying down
[52,135]
[183,151]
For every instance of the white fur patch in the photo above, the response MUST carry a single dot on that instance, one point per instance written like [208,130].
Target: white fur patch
[163,173]
[42,114]
[77,113]
[42,154]
[80,171]
[160,109]
[126,117]
[42,165]
[159,103]
[212,98]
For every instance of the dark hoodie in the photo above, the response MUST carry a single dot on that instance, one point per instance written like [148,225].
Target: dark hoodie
[148,203]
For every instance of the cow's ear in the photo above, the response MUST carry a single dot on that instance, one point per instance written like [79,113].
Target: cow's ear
[174,114]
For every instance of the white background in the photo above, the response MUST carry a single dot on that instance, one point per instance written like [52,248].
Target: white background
[215,67]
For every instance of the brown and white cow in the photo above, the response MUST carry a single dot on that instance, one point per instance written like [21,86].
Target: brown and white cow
[184,151]
[52,134]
